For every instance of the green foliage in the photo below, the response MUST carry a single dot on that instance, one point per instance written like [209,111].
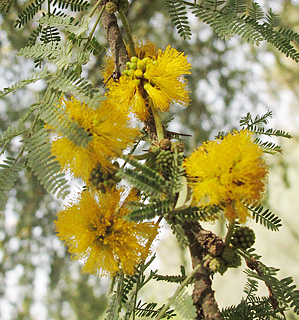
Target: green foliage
[172,279]
[142,211]
[235,17]
[11,133]
[146,179]
[183,305]
[5,6]
[70,81]
[283,290]
[28,13]
[226,22]
[257,309]
[43,164]
[50,34]
[58,119]
[34,35]
[58,52]
[148,310]
[265,217]
[208,213]
[22,83]
[9,172]
[248,123]
[75,5]
[176,172]
[268,146]
[178,14]
[255,11]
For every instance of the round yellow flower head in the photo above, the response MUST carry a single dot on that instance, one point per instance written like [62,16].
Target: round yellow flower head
[228,172]
[94,230]
[142,50]
[110,131]
[151,80]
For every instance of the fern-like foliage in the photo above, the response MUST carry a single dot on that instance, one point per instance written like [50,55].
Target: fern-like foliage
[50,34]
[113,309]
[58,119]
[256,309]
[57,20]
[22,83]
[278,39]
[34,35]
[176,172]
[268,146]
[67,22]
[144,178]
[69,81]
[255,11]
[283,290]
[183,305]
[195,213]
[40,159]
[227,22]
[248,122]
[235,17]
[265,217]
[28,13]
[9,172]
[172,279]
[178,14]
[58,52]
[251,286]
[75,5]
[148,310]
[140,211]
[11,133]
[271,132]
[5,6]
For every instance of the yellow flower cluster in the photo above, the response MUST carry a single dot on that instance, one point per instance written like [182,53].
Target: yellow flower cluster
[93,226]
[109,129]
[228,172]
[95,231]
[151,81]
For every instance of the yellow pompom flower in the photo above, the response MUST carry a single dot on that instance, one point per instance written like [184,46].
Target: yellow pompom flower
[151,81]
[94,230]
[142,49]
[110,131]
[228,172]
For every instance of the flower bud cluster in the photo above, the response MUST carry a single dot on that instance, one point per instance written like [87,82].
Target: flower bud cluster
[243,238]
[165,157]
[102,179]
[114,6]
[136,70]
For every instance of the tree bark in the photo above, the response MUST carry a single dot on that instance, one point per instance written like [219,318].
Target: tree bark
[203,242]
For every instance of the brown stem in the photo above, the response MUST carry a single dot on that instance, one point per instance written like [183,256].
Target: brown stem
[255,265]
[203,242]
[116,43]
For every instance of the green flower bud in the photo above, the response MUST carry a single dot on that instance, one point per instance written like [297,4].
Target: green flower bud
[243,237]
[130,73]
[134,59]
[111,7]
[141,65]
[133,66]
[138,73]
[147,86]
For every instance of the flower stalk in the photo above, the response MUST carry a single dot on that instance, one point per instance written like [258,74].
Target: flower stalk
[126,26]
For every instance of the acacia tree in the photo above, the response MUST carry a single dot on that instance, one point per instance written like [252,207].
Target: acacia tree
[85,130]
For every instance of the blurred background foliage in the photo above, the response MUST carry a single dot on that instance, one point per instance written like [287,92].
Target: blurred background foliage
[229,79]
